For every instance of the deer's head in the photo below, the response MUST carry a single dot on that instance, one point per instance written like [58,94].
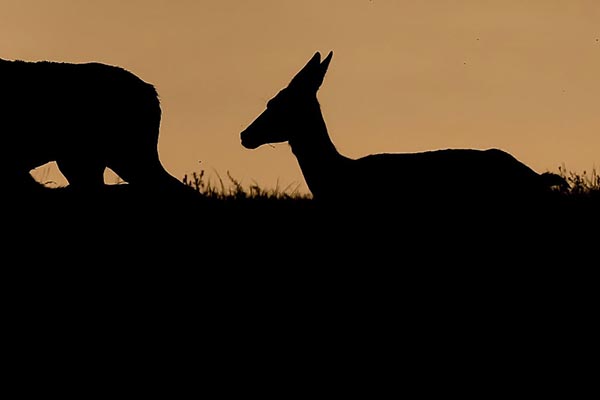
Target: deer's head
[286,113]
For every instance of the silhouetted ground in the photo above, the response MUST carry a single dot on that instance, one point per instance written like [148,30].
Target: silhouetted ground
[168,281]
[256,241]
[294,227]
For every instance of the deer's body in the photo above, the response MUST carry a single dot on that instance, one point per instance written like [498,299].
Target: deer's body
[449,175]
[377,176]
[86,117]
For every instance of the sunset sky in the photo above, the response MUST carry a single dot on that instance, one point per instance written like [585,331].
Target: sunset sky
[406,75]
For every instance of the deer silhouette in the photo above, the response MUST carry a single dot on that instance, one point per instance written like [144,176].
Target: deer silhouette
[446,176]
[86,117]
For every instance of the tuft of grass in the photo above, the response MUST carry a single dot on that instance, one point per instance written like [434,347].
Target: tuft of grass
[235,190]
[580,184]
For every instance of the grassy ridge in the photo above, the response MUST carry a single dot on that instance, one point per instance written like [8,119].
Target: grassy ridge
[235,252]
[230,202]
[580,186]
[228,214]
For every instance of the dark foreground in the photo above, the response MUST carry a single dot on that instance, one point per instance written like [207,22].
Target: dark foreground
[123,229]
[350,291]
[180,230]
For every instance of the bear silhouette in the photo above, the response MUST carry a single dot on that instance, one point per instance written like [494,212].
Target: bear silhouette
[85,117]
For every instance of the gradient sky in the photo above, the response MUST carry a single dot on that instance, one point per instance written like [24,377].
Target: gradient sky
[406,75]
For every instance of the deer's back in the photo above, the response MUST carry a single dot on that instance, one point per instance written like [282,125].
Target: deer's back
[441,175]
[460,167]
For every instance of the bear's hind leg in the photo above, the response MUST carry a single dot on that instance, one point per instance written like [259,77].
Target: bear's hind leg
[82,175]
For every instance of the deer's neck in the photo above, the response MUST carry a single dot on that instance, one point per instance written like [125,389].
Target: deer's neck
[319,160]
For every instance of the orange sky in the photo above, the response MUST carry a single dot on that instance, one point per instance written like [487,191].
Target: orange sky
[406,75]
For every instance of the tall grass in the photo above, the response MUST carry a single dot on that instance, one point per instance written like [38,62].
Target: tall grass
[235,190]
[582,184]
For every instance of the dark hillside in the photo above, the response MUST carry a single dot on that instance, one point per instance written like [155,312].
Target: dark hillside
[250,276]
[237,218]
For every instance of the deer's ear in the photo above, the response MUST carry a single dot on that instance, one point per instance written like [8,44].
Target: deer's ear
[314,61]
[319,72]
[324,65]
[326,61]
[305,74]
[311,76]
